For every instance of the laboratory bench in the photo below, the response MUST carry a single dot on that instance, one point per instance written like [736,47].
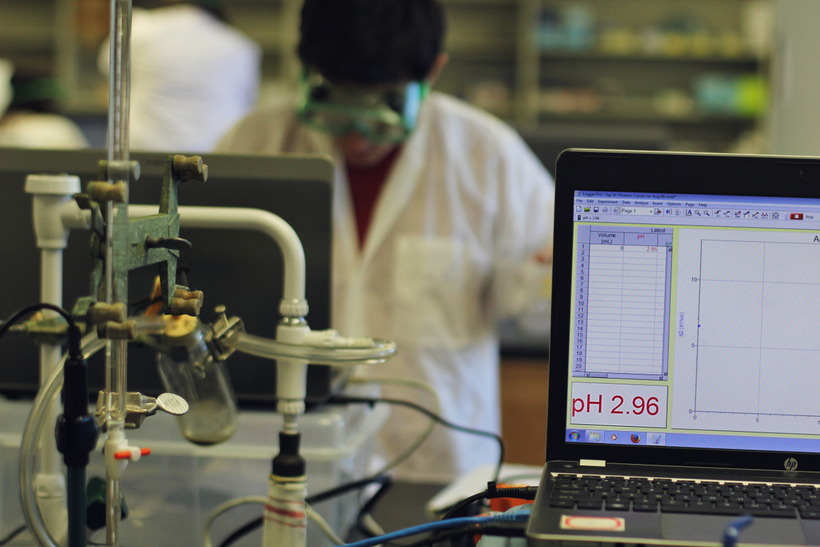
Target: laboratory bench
[524,381]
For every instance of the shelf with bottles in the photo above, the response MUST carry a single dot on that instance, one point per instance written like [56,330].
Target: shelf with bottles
[481,42]
[646,117]
[655,29]
[471,47]
[27,36]
[748,60]
[274,25]
[481,29]
[680,61]
[711,98]
[654,44]
[28,40]
[474,3]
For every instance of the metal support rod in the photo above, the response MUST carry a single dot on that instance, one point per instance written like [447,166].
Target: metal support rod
[119,81]
[116,267]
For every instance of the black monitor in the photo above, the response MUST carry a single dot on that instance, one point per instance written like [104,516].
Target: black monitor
[240,269]
[548,141]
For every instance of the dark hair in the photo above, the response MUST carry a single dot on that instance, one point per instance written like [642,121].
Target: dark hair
[371,41]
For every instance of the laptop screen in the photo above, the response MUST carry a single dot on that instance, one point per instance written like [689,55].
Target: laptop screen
[694,321]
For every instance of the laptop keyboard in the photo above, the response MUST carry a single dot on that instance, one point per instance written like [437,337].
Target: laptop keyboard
[685,496]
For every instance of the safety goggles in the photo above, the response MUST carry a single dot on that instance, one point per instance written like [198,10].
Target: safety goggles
[379,116]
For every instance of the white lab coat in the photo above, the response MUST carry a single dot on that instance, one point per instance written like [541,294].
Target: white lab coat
[40,130]
[23,129]
[465,205]
[192,78]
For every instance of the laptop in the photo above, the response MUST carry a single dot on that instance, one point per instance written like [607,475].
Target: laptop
[685,351]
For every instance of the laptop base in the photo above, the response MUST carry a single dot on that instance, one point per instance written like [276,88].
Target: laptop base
[551,526]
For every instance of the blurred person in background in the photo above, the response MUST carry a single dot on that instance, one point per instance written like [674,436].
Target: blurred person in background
[439,212]
[28,112]
[192,75]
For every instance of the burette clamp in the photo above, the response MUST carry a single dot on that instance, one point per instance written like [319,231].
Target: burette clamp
[221,331]
[139,406]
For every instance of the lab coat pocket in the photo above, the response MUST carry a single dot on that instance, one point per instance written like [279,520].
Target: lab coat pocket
[437,290]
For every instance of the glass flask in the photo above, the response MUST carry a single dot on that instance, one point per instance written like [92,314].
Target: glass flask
[186,370]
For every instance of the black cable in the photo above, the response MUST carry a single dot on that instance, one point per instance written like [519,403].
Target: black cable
[74,336]
[252,525]
[344,489]
[527,492]
[367,509]
[246,529]
[457,509]
[76,431]
[502,529]
[344,399]
[31,309]
[492,492]
[13,534]
[333,492]
[77,507]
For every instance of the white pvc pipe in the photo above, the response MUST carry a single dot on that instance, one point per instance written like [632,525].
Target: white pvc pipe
[53,212]
[239,218]
[51,291]
[51,485]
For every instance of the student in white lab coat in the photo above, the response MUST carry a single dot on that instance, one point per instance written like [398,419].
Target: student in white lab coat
[28,112]
[192,75]
[439,211]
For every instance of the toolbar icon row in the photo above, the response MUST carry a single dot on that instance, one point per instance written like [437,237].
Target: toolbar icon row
[690,212]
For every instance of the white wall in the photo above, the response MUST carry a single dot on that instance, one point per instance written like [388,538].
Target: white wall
[795,115]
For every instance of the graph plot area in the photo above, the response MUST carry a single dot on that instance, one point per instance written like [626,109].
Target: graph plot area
[757,349]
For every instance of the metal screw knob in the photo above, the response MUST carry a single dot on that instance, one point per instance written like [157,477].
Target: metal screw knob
[190,168]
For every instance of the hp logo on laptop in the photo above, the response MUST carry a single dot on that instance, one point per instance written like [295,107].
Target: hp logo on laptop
[790,464]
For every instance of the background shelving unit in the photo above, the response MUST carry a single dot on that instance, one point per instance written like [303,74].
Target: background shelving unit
[26,31]
[506,56]
[274,24]
[481,44]
[691,73]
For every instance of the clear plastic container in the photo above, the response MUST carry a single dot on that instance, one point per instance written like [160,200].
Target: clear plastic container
[213,416]
[171,492]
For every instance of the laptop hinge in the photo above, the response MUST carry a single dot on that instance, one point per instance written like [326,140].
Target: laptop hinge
[592,463]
